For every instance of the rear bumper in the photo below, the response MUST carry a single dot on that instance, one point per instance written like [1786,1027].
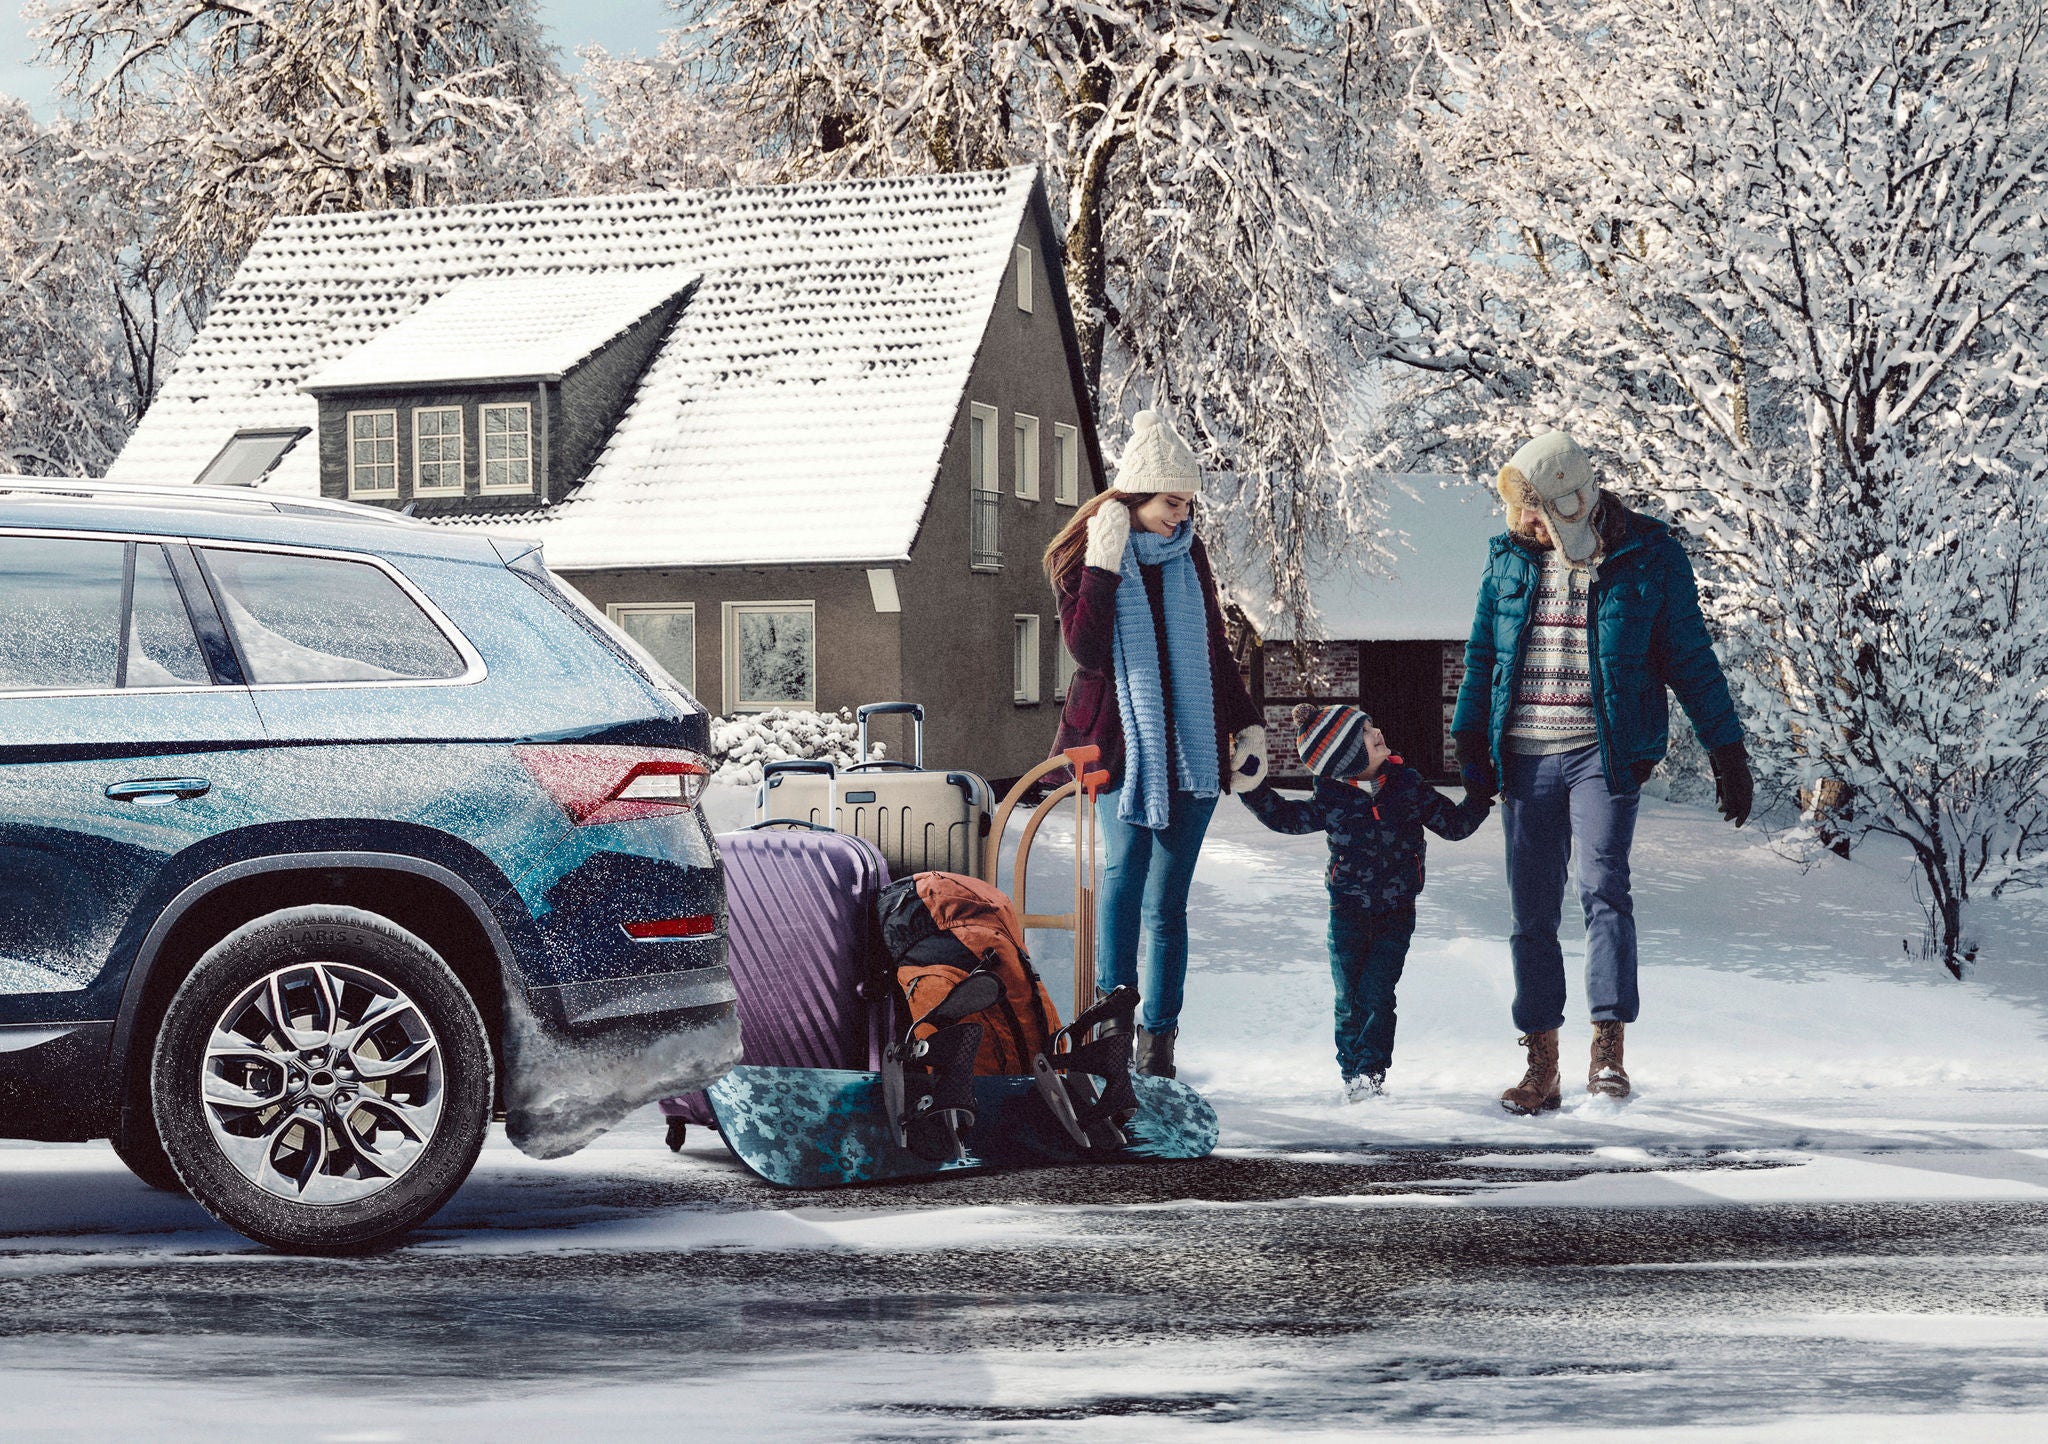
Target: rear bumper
[54,1081]
[606,1001]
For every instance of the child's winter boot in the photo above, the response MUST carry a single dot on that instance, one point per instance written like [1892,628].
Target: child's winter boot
[1365,1087]
[1607,1076]
[1155,1052]
[1539,1091]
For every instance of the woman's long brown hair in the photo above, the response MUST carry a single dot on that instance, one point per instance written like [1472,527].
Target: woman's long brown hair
[1066,550]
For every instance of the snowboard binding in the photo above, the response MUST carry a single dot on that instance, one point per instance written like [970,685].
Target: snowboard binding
[930,1110]
[1086,1081]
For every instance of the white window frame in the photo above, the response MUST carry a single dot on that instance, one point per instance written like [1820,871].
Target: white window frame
[985,488]
[729,640]
[1023,267]
[355,468]
[617,612]
[1066,464]
[419,485]
[1025,453]
[1025,665]
[484,458]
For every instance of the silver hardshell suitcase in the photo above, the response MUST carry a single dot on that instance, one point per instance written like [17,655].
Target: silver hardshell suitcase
[919,821]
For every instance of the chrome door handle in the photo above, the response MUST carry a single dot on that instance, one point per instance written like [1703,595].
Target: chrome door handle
[156,791]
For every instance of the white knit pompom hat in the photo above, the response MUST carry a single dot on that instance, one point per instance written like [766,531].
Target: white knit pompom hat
[1156,459]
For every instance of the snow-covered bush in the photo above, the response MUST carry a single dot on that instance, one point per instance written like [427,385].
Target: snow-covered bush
[741,744]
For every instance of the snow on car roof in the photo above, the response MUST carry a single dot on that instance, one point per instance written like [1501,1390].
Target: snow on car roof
[532,327]
[1436,527]
[795,413]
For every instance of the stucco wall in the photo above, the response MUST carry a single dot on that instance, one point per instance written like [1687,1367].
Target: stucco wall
[957,621]
[857,648]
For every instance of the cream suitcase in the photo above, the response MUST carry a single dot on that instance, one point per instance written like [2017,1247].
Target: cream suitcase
[919,821]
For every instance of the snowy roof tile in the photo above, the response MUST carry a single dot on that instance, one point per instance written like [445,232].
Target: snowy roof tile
[524,327]
[795,413]
[1437,528]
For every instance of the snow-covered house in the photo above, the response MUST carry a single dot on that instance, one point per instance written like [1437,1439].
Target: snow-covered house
[806,443]
[1390,635]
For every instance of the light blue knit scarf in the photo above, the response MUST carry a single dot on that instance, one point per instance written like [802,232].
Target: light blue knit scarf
[1149,779]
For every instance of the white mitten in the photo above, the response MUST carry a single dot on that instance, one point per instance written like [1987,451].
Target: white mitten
[1108,531]
[1248,760]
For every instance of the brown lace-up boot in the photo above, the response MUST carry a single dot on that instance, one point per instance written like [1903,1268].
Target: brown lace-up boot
[1539,1091]
[1607,1076]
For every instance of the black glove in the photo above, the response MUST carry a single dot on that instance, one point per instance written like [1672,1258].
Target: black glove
[1475,764]
[1641,771]
[1734,788]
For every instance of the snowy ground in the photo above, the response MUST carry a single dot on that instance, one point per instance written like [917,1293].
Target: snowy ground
[1824,1215]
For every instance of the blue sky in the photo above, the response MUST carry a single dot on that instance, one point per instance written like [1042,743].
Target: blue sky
[618,25]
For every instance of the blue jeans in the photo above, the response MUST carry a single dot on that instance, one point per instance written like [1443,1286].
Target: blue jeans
[1547,803]
[1367,953]
[1145,883]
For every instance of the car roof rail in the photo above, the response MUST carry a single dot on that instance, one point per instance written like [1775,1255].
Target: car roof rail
[207,497]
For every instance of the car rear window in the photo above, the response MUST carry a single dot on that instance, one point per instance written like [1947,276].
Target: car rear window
[321,619]
[61,598]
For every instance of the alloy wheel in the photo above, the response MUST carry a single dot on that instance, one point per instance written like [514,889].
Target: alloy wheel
[323,1083]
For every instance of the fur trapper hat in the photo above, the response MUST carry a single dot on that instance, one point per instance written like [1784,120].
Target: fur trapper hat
[1156,459]
[1553,475]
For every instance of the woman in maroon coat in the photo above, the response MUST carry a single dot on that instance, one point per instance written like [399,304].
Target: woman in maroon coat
[1158,691]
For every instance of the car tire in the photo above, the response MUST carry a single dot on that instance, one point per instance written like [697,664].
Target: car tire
[321,1081]
[136,1144]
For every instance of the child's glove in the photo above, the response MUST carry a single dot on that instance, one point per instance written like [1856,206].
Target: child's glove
[1108,531]
[1247,759]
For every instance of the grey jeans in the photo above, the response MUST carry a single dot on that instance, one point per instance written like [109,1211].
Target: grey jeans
[1547,804]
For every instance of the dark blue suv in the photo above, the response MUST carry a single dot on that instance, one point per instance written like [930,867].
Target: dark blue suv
[321,829]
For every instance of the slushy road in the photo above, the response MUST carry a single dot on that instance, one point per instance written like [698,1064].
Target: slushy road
[1383,1290]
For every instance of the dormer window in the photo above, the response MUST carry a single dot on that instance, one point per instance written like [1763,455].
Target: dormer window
[508,448]
[437,450]
[373,453]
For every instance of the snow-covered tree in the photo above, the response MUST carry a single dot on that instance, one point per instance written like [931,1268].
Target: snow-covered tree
[65,405]
[278,107]
[1786,266]
[1213,163]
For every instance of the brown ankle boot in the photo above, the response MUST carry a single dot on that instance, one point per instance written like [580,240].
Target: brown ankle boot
[1539,1090]
[1607,1076]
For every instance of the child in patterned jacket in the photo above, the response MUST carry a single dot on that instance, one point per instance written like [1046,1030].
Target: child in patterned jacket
[1374,807]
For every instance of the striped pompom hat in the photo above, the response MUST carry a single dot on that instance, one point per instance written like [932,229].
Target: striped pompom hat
[1331,740]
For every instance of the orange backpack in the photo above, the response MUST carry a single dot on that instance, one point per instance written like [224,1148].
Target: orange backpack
[938,927]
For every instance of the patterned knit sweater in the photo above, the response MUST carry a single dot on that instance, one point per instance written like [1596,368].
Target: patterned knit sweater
[1554,690]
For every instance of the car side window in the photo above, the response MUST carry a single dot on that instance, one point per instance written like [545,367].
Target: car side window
[162,648]
[60,599]
[323,619]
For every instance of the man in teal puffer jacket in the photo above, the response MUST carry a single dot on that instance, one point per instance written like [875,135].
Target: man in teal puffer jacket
[1587,613]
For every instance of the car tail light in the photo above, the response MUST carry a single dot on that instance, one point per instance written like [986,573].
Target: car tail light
[596,784]
[655,929]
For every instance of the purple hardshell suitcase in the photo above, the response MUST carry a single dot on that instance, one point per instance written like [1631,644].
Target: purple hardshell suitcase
[801,928]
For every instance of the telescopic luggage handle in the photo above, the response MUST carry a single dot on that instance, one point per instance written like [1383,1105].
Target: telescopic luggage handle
[796,764]
[913,710]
